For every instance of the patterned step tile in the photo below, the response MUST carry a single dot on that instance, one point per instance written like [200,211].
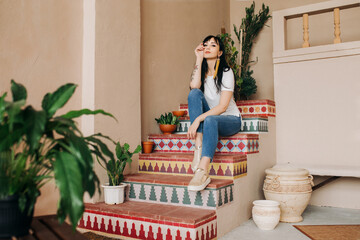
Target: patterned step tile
[179,164]
[257,107]
[172,190]
[236,144]
[253,107]
[139,220]
[250,124]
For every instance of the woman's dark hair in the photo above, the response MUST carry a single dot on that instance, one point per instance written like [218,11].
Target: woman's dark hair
[223,66]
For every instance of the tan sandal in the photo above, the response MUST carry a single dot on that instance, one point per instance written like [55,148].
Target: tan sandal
[200,180]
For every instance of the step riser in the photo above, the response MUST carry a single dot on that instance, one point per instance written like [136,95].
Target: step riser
[255,126]
[230,170]
[180,196]
[224,146]
[252,107]
[140,228]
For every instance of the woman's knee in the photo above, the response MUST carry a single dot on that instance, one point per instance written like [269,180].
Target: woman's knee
[195,93]
[210,121]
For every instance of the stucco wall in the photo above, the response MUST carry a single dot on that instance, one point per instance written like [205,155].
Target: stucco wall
[40,47]
[117,73]
[170,31]
[321,32]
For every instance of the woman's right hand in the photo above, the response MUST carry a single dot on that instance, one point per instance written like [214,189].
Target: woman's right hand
[199,51]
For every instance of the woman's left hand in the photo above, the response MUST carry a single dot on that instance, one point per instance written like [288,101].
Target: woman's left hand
[191,134]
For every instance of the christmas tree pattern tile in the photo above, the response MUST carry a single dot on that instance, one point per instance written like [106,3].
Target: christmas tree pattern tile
[180,196]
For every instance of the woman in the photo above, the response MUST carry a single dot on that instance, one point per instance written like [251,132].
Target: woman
[212,108]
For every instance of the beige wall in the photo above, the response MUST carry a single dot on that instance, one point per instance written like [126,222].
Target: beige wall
[170,31]
[117,72]
[41,47]
[316,92]
[321,32]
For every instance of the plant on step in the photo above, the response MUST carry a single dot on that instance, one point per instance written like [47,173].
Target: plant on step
[115,167]
[167,122]
[168,118]
[37,146]
[250,27]
[231,56]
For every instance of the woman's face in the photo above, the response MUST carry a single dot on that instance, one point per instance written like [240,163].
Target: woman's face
[211,49]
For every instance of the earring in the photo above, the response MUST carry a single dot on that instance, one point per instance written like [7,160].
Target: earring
[216,67]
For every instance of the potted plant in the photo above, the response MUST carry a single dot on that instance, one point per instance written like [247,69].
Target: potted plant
[37,146]
[147,146]
[167,122]
[246,34]
[114,190]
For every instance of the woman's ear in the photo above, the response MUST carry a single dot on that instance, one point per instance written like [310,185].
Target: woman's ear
[220,53]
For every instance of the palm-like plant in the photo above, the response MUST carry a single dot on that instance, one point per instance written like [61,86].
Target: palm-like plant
[36,146]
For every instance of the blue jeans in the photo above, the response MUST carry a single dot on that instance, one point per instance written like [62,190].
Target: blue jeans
[213,126]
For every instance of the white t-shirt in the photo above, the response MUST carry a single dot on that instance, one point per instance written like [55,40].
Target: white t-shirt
[213,97]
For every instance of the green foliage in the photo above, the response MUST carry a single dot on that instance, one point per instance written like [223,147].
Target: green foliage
[251,26]
[168,118]
[115,167]
[249,84]
[231,56]
[35,147]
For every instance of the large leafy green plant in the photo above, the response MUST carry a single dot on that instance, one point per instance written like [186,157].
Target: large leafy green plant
[115,166]
[36,146]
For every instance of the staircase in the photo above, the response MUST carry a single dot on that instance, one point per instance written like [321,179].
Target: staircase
[158,204]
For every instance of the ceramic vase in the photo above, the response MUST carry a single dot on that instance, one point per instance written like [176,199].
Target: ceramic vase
[114,194]
[292,188]
[266,214]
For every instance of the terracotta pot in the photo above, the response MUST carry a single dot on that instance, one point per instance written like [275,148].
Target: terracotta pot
[179,113]
[266,214]
[167,128]
[291,187]
[147,146]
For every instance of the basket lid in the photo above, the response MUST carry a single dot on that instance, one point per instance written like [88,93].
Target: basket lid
[286,170]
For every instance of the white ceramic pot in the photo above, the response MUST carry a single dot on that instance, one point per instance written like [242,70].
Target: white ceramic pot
[291,187]
[266,214]
[114,194]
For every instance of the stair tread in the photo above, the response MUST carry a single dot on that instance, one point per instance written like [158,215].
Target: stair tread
[244,102]
[172,180]
[184,136]
[188,157]
[244,117]
[159,212]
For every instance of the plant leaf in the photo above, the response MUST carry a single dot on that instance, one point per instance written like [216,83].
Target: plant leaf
[103,147]
[35,126]
[80,150]
[137,150]
[78,113]
[68,180]
[2,106]
[18,91]
[53,101]
[7,138]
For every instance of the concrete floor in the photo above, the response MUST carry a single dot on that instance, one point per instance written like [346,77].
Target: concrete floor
[313,215]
